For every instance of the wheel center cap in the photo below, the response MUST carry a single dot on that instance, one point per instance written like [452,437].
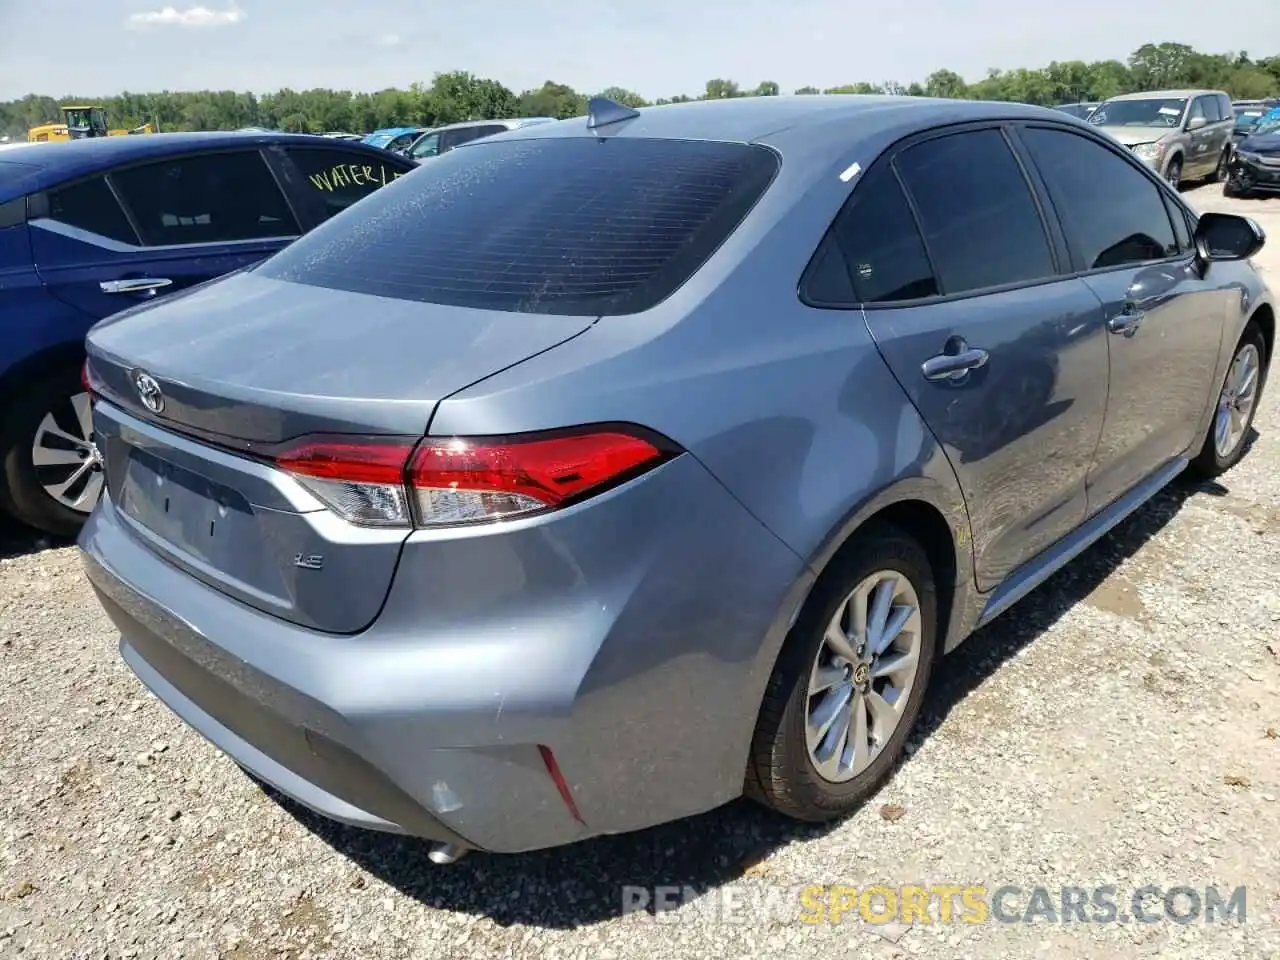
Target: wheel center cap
[861,674]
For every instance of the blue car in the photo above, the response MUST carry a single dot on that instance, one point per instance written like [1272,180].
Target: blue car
[1255,163]
[90,227]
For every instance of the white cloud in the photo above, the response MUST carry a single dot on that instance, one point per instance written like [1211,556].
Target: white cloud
[191,17]
[389,40]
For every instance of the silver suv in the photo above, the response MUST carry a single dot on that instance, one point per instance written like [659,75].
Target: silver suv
[443,139]
[1181,134]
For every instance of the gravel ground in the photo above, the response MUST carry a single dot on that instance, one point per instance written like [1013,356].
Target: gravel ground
[1118,727]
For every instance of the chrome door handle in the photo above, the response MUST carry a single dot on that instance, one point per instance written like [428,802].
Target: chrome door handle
[954,366]
[148,285]
[1127,321]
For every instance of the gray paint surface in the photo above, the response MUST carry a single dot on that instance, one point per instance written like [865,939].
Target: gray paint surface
[632,633]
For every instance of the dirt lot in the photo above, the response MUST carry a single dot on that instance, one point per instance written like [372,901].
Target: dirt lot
[1118,727]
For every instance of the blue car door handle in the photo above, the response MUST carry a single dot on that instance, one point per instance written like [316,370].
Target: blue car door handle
[146,285]
[954,366]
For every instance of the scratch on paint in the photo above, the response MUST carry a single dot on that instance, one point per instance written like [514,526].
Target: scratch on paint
[497,721]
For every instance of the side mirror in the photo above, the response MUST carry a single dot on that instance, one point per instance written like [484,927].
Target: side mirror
[1226,236]
[1195,123]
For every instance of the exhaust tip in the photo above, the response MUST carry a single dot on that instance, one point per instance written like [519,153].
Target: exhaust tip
[446,853]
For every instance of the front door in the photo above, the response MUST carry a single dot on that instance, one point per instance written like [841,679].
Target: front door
[1164,321]
[1009,368]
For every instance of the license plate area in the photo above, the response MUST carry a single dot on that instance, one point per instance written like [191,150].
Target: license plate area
[206,520]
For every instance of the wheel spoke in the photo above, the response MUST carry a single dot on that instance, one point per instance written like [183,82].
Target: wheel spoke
[839,644]
[42,456]
[877,617]
[857,752]
[59,490]
[897,619]
[824,678]
[50,426]
[895,663]
[84,414]
[826,713]
[831,749]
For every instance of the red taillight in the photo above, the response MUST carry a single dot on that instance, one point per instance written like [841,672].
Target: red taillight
[84,378]
[398,481]
[457,480]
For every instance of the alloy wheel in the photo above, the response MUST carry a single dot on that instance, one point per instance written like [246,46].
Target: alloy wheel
[863,675]
[1236,402]
[67,463]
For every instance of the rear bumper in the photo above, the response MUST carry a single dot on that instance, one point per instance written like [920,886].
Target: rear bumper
[632,635]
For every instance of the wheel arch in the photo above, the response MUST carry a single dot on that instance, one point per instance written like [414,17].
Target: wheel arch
[933,517]
[42,363]
[1265,317]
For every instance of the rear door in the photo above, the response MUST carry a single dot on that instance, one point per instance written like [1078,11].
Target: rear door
[1204,146]
[116,239]
[324,180]
[1005,359]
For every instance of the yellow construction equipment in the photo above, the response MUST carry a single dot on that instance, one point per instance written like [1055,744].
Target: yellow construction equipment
[80,121]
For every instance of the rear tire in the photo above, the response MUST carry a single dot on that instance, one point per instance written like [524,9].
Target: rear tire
[793,767]
[1235,405]
[25,495]
[1220,171]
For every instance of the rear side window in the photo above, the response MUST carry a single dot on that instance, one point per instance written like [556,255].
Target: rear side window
[90,205]
[1112,213]
[573,226]
[980,221]
[212,198]
[339,177]
[884,256]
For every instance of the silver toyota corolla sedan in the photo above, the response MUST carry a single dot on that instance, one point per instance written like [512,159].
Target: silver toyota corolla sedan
[605,470]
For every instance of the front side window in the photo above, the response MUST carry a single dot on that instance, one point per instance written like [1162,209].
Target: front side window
[980,221]
[90,205]
[340,178]
[1197,111]
[1111,212]
[1163,112]
[210,198]
[428,146]
[571,226]
[1209,105]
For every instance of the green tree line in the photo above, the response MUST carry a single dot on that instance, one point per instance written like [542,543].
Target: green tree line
[460,95]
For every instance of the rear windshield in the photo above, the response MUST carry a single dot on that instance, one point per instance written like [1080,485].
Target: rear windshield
[571,226]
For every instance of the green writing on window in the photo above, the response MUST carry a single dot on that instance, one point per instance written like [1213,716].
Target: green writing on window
[353,175]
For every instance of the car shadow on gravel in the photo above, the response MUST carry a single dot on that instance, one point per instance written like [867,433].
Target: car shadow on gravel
[583,883]
[17,540]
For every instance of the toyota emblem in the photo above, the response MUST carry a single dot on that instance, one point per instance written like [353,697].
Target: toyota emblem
[148,391]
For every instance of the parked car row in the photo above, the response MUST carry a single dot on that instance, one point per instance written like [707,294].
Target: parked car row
[1181,134]
[721,422]
[421,143]
[90,227]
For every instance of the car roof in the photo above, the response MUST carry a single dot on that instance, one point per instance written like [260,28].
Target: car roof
[1164,94]
[795,123]
[52,163]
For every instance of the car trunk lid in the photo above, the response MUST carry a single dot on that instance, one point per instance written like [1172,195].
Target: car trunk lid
[233,370]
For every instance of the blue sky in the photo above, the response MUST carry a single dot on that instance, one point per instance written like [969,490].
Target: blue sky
[656,47]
